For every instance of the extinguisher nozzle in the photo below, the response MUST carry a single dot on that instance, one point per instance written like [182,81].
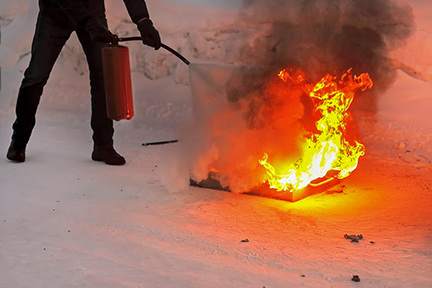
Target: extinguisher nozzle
[115,40]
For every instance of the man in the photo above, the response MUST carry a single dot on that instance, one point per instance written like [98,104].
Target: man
[57,19]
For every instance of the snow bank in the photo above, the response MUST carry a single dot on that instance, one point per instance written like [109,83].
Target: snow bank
[19,33]
[8,10]
[8,57]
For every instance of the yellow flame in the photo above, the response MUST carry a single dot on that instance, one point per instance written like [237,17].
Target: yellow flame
[328,149]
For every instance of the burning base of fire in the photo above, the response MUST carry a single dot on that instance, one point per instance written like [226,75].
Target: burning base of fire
[285,138]
[315,187]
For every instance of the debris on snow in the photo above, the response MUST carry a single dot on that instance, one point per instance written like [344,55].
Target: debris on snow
[354,238]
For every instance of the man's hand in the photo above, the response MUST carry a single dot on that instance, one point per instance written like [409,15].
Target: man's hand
[98,32]
[149,33]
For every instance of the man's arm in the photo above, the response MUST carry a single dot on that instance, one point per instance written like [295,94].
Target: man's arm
[137,10]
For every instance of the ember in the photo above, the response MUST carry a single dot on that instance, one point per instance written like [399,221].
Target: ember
[327,149]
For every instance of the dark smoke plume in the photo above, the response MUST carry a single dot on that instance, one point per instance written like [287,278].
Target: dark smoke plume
[324,36]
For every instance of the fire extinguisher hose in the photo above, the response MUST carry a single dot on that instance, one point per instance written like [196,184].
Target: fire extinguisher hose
[166,47]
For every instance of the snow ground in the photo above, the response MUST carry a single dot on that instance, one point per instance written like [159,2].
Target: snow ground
[66,221]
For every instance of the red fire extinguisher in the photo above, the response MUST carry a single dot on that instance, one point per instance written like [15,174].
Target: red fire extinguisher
[117,77]
[118,83]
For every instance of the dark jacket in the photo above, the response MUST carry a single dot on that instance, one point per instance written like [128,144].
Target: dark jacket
[78,11]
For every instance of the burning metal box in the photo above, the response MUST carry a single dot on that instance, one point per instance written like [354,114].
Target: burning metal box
[315,187]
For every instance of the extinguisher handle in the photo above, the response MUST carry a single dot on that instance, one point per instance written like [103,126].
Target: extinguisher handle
[123,39]
[166,47]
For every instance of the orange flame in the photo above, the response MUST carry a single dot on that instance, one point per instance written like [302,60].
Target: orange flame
[328,149]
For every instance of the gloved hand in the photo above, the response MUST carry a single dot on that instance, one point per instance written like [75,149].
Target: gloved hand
[98,32]
[149,33]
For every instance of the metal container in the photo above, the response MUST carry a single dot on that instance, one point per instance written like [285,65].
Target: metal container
[118,83]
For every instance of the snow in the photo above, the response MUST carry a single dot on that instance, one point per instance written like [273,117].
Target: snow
[67,221]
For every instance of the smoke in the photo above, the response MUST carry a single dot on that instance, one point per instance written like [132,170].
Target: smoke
[245,112]
[328,36]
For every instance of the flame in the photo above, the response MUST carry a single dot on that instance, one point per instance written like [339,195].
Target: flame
[328,148]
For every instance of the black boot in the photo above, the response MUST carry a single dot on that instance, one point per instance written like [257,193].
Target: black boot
[107,155]
[16,151]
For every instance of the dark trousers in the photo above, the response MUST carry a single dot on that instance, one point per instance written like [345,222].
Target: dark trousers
[49,39]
